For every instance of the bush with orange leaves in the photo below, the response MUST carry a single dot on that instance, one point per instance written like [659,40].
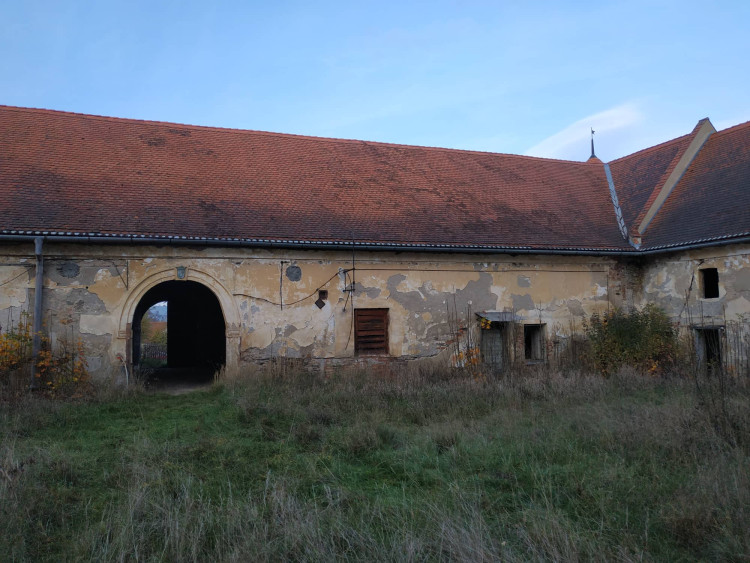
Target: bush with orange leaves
[60,372]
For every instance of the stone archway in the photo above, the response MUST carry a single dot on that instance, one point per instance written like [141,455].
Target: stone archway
[195,326]
[164,283]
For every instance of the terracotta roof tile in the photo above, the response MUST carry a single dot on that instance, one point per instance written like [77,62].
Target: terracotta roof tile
[72,172]
[639,176]
[712,199]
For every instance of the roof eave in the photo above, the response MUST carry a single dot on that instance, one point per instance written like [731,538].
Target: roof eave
[104,238]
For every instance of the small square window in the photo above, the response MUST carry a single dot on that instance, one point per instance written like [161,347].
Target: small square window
[533,341]
[710,283]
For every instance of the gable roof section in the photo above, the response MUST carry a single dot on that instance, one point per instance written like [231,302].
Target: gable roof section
[72,173]
[711,202]
[661,192]
[637,177]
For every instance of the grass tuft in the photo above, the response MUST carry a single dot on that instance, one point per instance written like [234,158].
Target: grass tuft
[418,465]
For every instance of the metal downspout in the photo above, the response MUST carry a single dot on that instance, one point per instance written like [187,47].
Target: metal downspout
[38,292]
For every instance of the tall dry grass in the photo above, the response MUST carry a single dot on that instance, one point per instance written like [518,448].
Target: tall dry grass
[420,464]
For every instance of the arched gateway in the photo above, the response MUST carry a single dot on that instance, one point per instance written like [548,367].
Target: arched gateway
[202,320]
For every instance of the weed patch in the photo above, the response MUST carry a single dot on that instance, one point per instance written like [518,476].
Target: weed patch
[272,467]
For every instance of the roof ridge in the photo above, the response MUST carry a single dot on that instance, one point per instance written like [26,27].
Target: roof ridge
[73,114]
[656,189]
[676,169]
[732,128]
[653,148]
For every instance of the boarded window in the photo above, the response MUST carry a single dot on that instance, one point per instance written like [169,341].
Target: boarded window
[371,331]
[492,345]
[710,283]
[533,340]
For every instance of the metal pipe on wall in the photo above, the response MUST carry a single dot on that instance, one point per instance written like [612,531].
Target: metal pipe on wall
[38,294]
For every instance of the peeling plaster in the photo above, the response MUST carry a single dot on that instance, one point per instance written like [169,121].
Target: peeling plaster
[96,324]
[371,292]
[600,290]
[101,275]
[523,302]
[575,308]
[416,289]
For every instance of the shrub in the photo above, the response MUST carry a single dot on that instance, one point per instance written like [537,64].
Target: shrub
[62,371]
[15,356]
[644,339]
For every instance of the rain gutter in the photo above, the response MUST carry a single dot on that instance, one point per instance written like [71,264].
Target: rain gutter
[348,245]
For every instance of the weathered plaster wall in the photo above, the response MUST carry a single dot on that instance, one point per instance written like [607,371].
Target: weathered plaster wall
[268,297]
[673,283]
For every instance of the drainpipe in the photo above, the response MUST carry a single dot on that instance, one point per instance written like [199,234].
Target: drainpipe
[38,291]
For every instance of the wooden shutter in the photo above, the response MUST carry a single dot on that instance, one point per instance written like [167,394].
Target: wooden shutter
[371,331]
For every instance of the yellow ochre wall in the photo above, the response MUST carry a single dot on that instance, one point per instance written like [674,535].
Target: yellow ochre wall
[92,291]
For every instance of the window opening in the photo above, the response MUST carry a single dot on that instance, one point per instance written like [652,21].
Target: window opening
[533,340]
[710,282]
[371,331]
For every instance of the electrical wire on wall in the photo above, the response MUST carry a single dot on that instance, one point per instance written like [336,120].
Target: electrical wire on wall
[350,294]
[14,278]
[281,303]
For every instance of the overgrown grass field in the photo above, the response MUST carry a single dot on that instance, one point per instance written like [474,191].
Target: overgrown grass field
[413,466]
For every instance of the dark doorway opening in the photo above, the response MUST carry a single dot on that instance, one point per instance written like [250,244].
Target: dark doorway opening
[708,346]
[492,345]
[196,340]
[533,343]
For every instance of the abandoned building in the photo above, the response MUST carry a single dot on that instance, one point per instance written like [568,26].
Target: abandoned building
[269,245]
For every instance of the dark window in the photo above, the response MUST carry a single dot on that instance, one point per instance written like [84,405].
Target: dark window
[710,282]
[371,331]
[533,341]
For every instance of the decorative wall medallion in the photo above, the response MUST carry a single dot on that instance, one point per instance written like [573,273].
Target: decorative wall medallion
[181,270]
[294,273]
[69,269]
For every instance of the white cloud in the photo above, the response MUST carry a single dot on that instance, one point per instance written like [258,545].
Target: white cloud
[572,142]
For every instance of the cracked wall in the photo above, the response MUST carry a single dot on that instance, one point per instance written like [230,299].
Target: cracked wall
[268,298]
[675,284]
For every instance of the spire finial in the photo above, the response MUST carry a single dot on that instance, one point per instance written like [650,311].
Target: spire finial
[593,155]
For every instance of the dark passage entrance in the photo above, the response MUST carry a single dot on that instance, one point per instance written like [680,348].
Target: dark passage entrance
[708,347]
[196,342]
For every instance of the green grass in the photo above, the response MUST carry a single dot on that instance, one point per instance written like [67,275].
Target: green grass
[412,467]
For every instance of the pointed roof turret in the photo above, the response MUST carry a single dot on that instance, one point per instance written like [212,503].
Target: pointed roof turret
[593,157]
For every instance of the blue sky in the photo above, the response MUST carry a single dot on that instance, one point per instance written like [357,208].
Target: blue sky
[513,77]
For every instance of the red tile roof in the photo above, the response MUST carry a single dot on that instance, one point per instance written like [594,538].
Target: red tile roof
[712,199]
[639,176]
[64,172]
